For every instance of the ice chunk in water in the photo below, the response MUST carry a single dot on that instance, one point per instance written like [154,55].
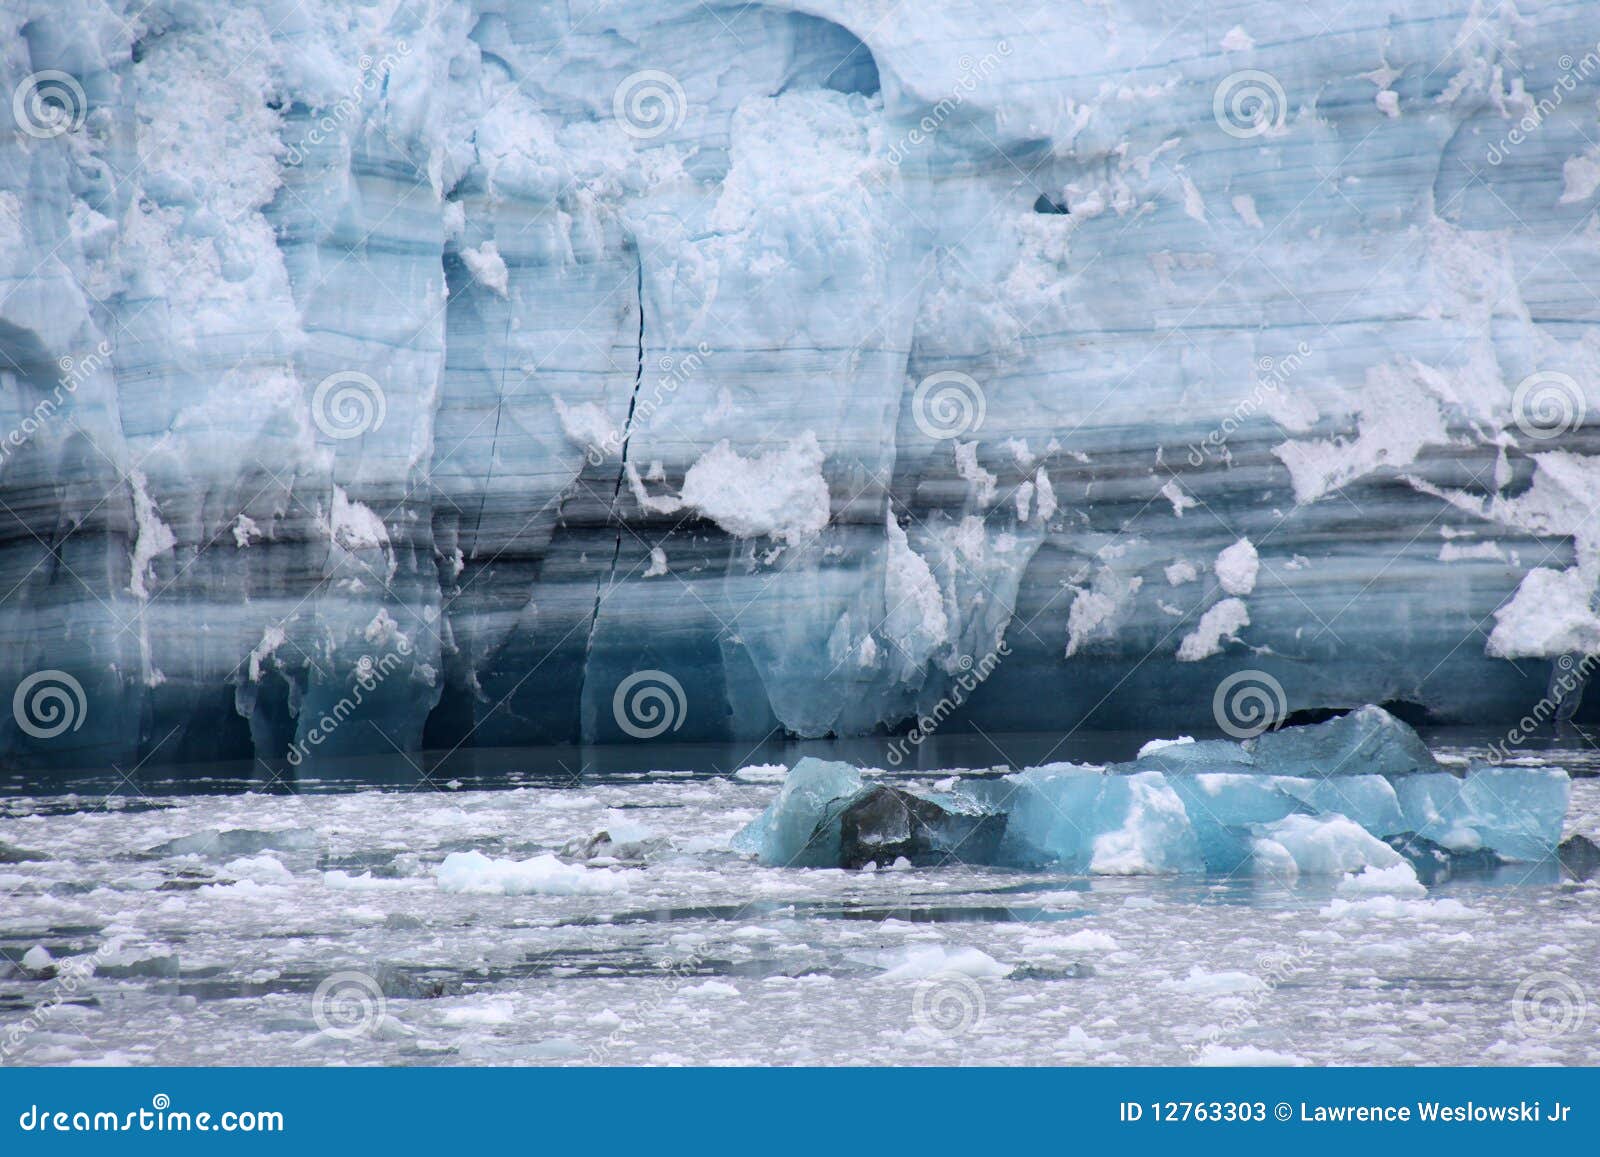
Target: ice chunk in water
[1222,806]
[1328,845]
[801,826]
[1517,812]
[883,825]
[1085,819]
[1215,806]
[1370,800]
[1368,741]
[1206,755]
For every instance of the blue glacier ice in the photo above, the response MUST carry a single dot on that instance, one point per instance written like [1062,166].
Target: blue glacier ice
[377,377]
[1293,816]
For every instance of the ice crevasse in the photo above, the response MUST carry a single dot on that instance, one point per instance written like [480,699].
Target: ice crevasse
[481,356]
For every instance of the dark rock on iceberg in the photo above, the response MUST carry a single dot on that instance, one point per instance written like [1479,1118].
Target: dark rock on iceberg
[1580,857]
[884,824]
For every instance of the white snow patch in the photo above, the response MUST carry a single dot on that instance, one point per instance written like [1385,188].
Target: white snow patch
[1156,745]
[1237,40]
[1237,567]
[1181,501]
[919,963]
[1226,1056]
[1550,614]
[984,484]
[780,493]
[474,872]
[1220,624]
[487,267]
[153,537]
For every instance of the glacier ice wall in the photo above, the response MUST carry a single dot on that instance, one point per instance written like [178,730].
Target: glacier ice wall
[387,375]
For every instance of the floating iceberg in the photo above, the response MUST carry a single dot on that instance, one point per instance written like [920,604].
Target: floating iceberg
[1308,802]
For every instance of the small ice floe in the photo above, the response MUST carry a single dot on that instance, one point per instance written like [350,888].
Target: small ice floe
[476,873]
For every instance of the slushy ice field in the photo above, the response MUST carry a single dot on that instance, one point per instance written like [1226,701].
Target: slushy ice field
[363,928]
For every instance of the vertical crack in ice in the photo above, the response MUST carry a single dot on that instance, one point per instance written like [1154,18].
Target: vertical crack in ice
[622,469]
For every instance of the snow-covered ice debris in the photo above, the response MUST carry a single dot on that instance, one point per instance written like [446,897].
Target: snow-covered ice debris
[920,963]
[474,872]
